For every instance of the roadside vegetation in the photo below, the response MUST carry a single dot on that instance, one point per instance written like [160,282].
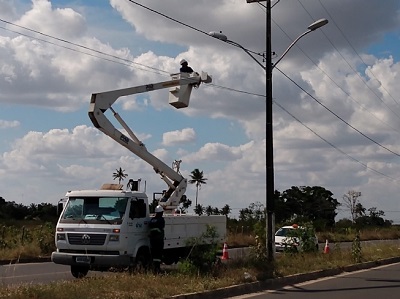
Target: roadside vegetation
[181,281]
[28,231]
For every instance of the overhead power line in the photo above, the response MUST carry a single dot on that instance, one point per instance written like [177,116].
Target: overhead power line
[351,67]
[332,145]
[158,70]
[355,51]
[337,116]
[181,23]
[123,61]
[365,108]
[72,43]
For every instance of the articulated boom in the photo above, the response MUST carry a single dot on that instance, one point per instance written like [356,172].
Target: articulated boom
[180,87]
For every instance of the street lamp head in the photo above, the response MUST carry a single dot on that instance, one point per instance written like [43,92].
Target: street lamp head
[218,35]
[317,24]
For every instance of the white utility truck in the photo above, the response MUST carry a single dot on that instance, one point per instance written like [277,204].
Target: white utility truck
[108,228]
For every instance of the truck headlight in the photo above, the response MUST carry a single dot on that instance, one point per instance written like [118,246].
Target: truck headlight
[60,237]
[114,238]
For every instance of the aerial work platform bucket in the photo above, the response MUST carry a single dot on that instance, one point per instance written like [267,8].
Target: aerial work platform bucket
[179,96]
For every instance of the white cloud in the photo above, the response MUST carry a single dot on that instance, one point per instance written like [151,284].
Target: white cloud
[43,18]
[5,124]
[186,135]
[216,152]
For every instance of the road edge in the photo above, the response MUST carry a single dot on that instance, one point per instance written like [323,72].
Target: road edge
[25,261]
[279,282]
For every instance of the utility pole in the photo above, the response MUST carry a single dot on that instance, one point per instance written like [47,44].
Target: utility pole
[269,140]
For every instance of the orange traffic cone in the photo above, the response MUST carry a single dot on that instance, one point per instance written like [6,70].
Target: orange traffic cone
[326,248]
[225,254]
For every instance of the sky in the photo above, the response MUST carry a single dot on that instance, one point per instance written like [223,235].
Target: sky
[336,104]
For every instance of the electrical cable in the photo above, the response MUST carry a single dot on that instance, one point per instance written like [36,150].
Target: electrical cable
[351,67]
[183,24]
[348,124]
[170,18]
[142,67]
[332,145]
[116,57]
[72,43]
[355,51]
[365,108]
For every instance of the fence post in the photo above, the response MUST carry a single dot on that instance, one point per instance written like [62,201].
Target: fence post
[23,235]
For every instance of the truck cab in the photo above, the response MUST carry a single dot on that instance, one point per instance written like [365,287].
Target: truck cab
[98,229]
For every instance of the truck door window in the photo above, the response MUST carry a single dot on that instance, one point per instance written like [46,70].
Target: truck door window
[138,209]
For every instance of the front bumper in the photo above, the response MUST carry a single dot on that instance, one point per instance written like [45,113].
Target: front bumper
[91,259]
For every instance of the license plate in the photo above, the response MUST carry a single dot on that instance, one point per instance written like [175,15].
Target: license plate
[83,259]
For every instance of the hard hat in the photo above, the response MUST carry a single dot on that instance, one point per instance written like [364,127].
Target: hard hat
[159,209]
[182,61]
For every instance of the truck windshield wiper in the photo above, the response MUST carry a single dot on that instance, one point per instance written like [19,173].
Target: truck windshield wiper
[82,220]
[102,216]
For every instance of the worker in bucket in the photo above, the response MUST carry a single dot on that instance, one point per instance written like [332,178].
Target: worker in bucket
[157,225]
[185,68]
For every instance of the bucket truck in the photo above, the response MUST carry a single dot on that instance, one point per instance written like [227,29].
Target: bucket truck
[108,228]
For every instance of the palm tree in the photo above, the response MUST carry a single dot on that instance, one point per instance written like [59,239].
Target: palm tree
[198,179]
[120,175]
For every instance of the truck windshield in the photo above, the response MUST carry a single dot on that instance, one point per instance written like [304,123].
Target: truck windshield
[95,210]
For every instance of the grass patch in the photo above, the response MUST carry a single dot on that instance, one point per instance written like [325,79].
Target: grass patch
[31,250]
[349,234]
[146,286]
[308,262]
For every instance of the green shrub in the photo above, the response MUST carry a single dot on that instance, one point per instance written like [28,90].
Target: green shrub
[301,239]
[203,253]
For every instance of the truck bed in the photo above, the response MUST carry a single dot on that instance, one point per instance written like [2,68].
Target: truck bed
[180,228]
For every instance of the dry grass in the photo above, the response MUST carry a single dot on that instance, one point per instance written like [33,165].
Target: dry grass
[240,239]
[336,259]
[146,286]
[118,286]
[30,250]
[348,235]
[342,235]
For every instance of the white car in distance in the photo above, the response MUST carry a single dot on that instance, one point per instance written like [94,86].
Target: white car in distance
[283,239]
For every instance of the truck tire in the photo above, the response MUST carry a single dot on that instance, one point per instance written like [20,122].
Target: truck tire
[168,260]
[79,271]
[142,260]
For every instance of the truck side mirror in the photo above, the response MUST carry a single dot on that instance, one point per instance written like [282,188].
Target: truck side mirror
[60,207]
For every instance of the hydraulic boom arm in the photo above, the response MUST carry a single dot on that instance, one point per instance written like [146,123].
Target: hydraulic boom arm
[180,87]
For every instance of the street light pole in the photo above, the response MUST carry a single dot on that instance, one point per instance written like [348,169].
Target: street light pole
[269,144]
[269,139]
[269,155]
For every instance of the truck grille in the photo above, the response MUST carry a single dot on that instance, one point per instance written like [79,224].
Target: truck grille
[86,239]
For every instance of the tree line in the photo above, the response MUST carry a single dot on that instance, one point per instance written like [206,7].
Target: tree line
[10,210]
[299,204]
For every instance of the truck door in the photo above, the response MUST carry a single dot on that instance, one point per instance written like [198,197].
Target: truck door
[137,223]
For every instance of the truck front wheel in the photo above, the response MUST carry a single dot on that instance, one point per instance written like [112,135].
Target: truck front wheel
[142,260]
[79,271]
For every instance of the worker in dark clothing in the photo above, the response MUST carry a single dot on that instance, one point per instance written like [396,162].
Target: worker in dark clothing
[185,68]
[157,225]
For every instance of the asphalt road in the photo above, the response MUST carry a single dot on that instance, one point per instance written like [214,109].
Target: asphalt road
[36,273]
[45,272]
[380,282]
